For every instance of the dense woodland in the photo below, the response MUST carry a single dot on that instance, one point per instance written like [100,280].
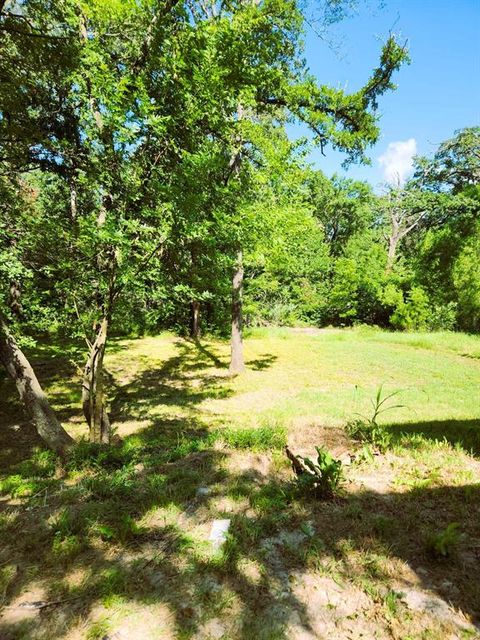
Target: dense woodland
[148,182]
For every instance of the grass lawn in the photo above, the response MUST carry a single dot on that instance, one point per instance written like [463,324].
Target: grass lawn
[115,542]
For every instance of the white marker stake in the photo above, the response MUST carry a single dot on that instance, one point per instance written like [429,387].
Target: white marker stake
[218,534]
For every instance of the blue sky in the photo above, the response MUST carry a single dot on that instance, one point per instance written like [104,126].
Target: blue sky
[437,93]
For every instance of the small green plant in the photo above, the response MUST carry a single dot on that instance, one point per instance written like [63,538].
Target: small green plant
[122,530]
[322,478]
[7,576]
[444,543]
[364,455]
[392,600]
[65,548]
[367,429]
[262,438]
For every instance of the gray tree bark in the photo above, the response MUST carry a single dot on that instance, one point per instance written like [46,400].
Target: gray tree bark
[195,319]
[31,393]
[93,401]
[237,364]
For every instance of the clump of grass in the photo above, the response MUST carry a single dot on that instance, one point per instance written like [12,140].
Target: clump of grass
[124,529]
[367,429]
[65,523]
[263,438]
[18,486]
[66,548]
[91,455]
[42,464]
[392,601]
[32,476]
[7,575]
[99,629]
[444,543]
[120,483]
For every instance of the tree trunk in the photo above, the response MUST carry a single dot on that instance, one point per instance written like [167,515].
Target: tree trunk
[31,393]
[93,389]
[237,364]
[195,319]
[392,252]
[73,200]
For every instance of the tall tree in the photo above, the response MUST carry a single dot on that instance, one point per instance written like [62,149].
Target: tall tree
[455,165]
[36,61]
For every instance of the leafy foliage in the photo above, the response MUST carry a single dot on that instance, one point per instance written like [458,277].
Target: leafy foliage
[322,477]
[367,429]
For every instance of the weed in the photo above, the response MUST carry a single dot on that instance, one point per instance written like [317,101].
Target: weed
[391,602]
[66,548]
[88,454]
[18,486]
[119,483]
[124,529]
[314,553]
[64,524]
[98,630]
[367,429]
[444,542]
[42,464]
[364,455]
[263,438]
[322,478]
[7,575]
[382,525]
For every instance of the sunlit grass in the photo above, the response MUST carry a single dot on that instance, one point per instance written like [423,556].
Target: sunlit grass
[119,535]
[327,377]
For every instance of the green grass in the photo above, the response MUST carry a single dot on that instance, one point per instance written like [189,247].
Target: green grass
[328,377]
[118,536]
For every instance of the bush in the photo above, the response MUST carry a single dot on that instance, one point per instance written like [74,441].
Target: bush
[443,317]
[414,314]
[322,478]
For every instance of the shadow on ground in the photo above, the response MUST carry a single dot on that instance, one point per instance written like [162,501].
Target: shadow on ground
[275,539]
[124,527]
[462,433]
[182,381]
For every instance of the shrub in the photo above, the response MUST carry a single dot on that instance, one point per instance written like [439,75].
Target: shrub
[443,317]
[414,314]
[322,478]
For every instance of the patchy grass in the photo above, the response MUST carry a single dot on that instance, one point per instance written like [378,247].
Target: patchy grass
[116,540]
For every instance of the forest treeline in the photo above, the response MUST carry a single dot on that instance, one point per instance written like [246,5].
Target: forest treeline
[148,182]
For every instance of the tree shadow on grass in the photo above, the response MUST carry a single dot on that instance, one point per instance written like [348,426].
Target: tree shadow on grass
[207,350]
[262,362]
[135,526]
[131,522]
[181,381]
[463,433]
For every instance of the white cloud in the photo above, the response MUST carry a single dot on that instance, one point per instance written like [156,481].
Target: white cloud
[397,161]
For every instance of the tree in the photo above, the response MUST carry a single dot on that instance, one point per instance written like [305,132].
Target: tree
[455,165]
[31,394]
[405,209]
[33,123]
[136,88]
[343,206]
